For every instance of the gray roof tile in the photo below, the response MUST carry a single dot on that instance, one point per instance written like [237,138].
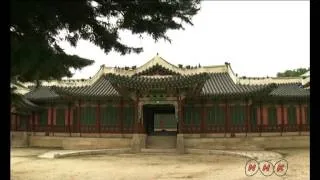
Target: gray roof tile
[215,84]
[41,93]
[101,88]
[222,84]
[290,90]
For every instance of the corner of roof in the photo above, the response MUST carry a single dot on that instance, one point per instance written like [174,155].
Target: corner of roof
[231,73]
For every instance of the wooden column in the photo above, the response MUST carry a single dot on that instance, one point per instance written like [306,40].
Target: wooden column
[54,119]
[79,118]
[36,120]
[15,122]
[31,122]
[137,128]
[202,128]
[69,115]
[282,118]
[226,110]
[180,131]
[300,118]
[51,123]
[48,121]
[261,118]
[98,123]
[205,126]
[28,122]
[182,114]
[121,116]
[247,116]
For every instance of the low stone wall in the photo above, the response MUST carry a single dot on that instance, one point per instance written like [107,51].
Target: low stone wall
[95,143]
[247,143]
[78,142]
[19,139]
[45,141]
[196,141]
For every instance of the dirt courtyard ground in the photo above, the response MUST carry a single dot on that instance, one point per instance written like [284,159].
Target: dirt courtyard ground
[25,165]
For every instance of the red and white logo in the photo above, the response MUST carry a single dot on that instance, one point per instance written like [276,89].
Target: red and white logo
[252,167]
[266,168]
[281,167]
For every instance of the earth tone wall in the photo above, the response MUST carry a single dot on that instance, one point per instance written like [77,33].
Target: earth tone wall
[19,139]
[78,142]
[248,143]
[22,139]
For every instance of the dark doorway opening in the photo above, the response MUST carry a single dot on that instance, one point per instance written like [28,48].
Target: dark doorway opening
[159,119]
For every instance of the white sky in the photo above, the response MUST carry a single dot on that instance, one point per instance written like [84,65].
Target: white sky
[258,38]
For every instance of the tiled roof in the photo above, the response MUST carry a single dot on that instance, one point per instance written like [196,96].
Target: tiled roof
[214,84]
[25,103]
[222,84]
[101,88]
[141,82]
[290,90]
[42,92]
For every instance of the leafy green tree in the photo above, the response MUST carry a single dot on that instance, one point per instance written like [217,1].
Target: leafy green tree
[35,28]
[293,73]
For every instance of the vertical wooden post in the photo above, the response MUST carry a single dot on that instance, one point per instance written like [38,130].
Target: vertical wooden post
[15,122]
[121,116]
[226,129]
[202,118]
[261,118]
[205,117]
[48,121]
[32,120]
[179,115]
[79,118]
[69,122]
[51,123]
[137,128]
[247,116]
[300,118]
[282,118]
[28,122]
[98,123]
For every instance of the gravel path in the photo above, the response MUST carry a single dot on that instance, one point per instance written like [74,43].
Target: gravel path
[25,165]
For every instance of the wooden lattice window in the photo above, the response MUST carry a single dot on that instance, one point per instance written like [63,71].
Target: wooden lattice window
[60,116]
[272,115]
[307,110]
[128,116]
[237,115]
[109,115]
[88,115]
[292,115]
[75,117]
[254,117]
[43,117]
[192,115]
[216,115]
[23,122]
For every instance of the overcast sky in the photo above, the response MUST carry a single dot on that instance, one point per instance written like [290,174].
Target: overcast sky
[258,38]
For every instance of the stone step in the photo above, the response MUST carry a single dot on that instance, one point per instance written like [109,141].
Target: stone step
[69,153]
[158,142]
[158,150]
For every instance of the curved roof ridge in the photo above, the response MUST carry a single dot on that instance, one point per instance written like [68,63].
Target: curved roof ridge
[70,82]
[165,64]
[269,80]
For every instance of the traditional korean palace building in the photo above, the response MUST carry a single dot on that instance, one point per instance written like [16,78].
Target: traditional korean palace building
[161,99]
